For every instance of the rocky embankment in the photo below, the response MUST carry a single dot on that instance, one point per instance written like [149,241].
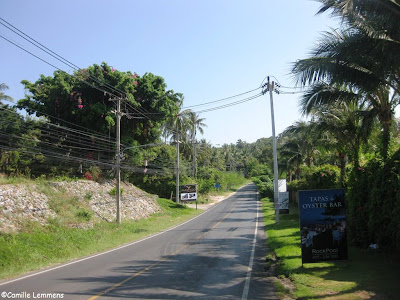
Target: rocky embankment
[24,202]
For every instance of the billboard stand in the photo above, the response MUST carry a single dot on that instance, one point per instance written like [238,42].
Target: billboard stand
[323,225]
[189,193]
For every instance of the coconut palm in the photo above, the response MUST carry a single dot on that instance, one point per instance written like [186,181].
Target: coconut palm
[196,123]
[340,70]
[3,96]
[306,138]
[343,126]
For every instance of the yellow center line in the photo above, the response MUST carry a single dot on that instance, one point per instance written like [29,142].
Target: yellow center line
[158,262]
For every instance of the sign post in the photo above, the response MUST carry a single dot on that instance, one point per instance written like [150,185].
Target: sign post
[189,193]
[323,225]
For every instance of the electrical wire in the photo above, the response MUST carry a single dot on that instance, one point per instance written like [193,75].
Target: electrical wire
[52,53]
[220,100]
[55,131]
[230,104]
[63,60]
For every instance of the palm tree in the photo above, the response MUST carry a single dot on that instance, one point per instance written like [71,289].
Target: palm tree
[343,127]
[289,151]
[340,70]
[3,96]
[306,139]
[196,123]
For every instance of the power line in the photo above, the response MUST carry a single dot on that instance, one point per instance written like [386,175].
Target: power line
[230,104]
[220,100]
[37,44]
[71,132]
[52,53]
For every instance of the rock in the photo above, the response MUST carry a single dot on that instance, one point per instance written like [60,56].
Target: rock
[24,202]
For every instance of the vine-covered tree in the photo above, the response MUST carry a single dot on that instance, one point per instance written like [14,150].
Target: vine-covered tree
[81,100]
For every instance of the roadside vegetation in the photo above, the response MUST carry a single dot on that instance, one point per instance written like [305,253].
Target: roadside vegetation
[37,246]
[368,274]
[351,140]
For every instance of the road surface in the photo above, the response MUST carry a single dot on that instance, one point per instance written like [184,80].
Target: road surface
[217,255]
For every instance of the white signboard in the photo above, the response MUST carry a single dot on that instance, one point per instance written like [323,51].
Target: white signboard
[282,185]
[188,196]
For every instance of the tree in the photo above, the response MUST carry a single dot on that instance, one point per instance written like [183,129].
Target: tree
[3,96]
[306,138]
[197,123]
[338,71]
[19,139]
[79,99]
[343,127]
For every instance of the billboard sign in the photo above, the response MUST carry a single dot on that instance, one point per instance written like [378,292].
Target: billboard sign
[188,192]
[283,202]
[323,225]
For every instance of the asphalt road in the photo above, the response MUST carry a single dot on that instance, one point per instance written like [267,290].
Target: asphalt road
[217,255]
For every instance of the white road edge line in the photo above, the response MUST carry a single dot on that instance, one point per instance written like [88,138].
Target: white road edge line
[112,250]
[250,267]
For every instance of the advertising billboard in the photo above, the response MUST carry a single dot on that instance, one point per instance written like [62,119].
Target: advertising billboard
[323,225]
[283,202]
[188,192]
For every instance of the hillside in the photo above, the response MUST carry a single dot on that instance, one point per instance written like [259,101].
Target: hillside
[75,203]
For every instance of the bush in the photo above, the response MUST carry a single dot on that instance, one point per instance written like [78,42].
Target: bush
[113,191]
[321,177]
[374,204]
[264,185]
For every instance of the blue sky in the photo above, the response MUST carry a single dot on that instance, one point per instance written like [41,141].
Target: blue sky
[207,50]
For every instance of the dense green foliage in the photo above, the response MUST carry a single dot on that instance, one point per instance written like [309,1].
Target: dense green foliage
[264,185]
[352,139]
[369,274]
[76,99]
[374,203]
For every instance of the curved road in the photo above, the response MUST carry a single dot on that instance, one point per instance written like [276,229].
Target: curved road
[217,255]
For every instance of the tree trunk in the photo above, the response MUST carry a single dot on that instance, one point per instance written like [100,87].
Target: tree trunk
[342,158]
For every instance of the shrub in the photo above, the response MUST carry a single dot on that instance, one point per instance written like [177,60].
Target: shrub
[84,214]
[374,204]
[264,185]
[113,191]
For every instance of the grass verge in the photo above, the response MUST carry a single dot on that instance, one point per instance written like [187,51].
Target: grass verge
[38,247]
[366,275]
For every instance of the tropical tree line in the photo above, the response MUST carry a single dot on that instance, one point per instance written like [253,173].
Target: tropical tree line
[352,88]
[66,126]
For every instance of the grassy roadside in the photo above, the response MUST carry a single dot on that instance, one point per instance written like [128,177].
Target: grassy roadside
[367,275]
[38,247]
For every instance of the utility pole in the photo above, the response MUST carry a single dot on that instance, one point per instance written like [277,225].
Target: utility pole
[177,167]
[275,156]
[194,143]
[194,159]
[118,157]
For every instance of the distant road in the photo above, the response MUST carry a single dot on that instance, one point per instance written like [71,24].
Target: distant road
[208,257]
